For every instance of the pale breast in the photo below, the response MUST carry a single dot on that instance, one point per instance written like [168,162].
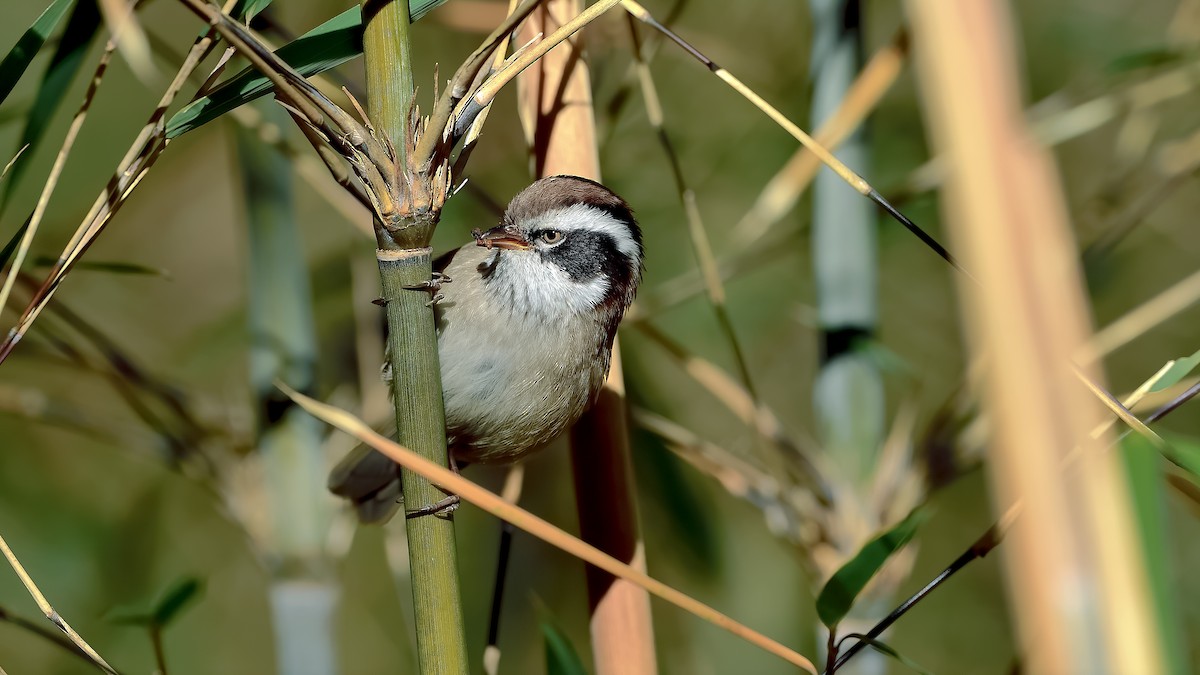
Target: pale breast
[511,381]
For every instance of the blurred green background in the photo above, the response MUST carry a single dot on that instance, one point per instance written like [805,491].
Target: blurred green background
[101,519]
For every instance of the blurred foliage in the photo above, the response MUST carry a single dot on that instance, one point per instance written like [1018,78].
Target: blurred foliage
[105,514]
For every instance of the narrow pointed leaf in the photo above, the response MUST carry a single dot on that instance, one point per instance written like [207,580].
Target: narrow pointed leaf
[11,247]
[325,47]
[245,10]
[1178,370]
[179,596]
[21,55]
[838,595]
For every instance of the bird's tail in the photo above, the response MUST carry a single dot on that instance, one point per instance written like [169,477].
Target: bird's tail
[371,481]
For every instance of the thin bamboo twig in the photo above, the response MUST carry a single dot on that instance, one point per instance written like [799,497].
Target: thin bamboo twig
[57,639]
[837,166]
[755,415]
[782,192]
[496,506]
[138,160]
[52,614]
[60,162]
[979,549]
[697,235]
[496,82]
[1141,319]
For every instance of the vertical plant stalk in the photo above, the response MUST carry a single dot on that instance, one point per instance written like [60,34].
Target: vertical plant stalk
[283,346]
[1077,583]
[848,394]
[405,263]
[556,106]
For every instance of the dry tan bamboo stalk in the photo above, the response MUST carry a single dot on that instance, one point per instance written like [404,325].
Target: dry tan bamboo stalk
[1076,580]
[560,126]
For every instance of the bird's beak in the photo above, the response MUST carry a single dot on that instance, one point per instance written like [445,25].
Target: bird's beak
[502,236]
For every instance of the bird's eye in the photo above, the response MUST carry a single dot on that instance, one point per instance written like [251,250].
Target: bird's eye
[551,237]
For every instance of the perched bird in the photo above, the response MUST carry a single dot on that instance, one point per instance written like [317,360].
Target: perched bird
[525,330]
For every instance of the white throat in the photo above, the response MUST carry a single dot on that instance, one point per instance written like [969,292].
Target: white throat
[534,287]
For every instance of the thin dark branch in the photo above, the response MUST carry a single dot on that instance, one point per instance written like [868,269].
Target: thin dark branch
[984,545]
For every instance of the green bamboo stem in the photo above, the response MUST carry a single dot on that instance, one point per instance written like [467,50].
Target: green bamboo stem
[405,262]
[284,347]
[388,56]
[420,420]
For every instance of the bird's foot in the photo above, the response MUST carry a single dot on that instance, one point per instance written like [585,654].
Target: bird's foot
[441,508]
[433,286]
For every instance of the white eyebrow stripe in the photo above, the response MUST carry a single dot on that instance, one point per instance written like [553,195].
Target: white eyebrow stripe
[584,217]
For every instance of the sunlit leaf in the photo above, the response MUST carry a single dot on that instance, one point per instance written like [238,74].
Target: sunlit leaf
[1177,372]
[839,592]
[1143,466]
[325,47]
[21,55]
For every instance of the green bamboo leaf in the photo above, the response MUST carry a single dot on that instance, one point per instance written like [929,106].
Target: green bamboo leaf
[561,657]
[839,592]
[1177,372]
[888,650]
[180,595]
[325,47]
[21,55]
[67,59]
[174,599]
[11,246]
[1143,467]
[246,9]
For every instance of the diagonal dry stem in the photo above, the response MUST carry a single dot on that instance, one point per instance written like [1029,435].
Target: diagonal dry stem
[701,246]
[49,610]
[133,167]
[60,163]
[782,192]
[490,502]
[462,82]
[827,158]
[738,400]
[496,82]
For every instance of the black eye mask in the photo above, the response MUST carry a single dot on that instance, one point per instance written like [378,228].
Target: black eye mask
[585,255]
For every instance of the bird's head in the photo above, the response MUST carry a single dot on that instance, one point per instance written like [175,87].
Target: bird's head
[565,245]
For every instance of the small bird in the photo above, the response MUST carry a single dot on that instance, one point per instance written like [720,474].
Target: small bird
[525,328]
